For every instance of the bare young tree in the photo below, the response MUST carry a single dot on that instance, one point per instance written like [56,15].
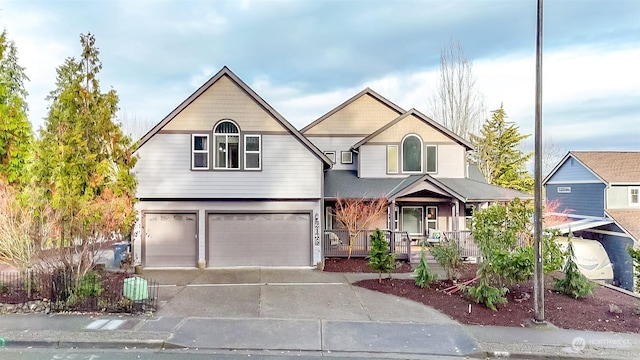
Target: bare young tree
[551,154]
[457,103]
[356,214]
[133,126]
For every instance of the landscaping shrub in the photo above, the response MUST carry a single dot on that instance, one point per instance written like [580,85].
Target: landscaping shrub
[423,275]
[635,255]
[574,283]
[90,285]
[447,254]
[380,258]
[487,294]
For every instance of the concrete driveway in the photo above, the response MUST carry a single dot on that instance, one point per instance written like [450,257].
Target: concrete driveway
[304,294]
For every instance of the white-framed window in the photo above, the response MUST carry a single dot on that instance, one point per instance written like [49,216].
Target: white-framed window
[412,220]
[432,159]
[412,157]
[227,145]
[200,152]
[634,196]
[252,152]
[331,155]
[328,218]
[396,223]
[346,157]
[392,159]
[432,217]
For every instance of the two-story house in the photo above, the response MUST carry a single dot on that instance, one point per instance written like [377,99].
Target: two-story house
[380,150]
[224,180]
[599,191]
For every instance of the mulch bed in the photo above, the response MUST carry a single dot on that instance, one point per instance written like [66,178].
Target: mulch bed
[591,313]
[359,265]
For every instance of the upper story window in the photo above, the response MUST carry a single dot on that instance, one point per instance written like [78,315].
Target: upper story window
[432,159]
[634,196]
[252,152]
[392,159]
[331,155]
[412,154]
[227,145]
[346,157]
[200,152]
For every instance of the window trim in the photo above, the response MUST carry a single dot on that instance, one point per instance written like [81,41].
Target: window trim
[194,151]
[331,155]
[342,160]
[397,164]
[426,159]
[259,152]
[226,135]
[631,189]
[421,155]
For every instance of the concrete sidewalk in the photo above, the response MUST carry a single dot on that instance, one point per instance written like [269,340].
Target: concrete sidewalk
[301,310]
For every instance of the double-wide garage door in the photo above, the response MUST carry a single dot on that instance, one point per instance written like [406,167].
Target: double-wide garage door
[170,240]
[268,239]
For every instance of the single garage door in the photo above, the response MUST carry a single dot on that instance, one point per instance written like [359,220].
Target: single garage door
[259,240]
[170,240]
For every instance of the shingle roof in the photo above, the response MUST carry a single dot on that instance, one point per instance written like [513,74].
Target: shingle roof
[347,184]
[612,166]
[472,190]
[629,220]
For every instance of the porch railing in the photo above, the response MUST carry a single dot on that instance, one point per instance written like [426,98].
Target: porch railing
[468,247]
[464,240]
[336,243]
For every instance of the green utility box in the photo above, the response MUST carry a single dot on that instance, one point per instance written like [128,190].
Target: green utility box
[135,289]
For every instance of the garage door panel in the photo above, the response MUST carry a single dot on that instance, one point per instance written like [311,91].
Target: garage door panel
[259,240]
[170,240]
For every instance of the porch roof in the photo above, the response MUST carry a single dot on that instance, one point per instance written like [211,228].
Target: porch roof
[346,184]
[476,191]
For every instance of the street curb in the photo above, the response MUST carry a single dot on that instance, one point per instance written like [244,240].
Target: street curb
[525,355]
[147,344]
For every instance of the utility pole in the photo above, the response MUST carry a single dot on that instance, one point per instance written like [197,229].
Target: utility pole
[538,278]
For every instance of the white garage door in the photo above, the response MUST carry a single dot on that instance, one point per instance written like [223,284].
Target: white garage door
[170,240]
[259,240]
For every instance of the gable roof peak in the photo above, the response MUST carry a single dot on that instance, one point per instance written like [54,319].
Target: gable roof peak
[365,91]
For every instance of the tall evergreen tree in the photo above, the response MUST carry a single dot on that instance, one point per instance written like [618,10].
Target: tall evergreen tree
[498,153]
[15,130]
[83,160]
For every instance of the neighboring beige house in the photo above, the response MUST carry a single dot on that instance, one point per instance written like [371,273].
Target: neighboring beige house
[224,180]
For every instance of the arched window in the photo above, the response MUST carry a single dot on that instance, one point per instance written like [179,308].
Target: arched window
[227,145]
[412,154]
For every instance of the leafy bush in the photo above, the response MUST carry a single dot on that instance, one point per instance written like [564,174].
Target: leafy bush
[90,285]
[4,287]
[574,283]
[487,294]
[380,258]
[447,254]
[423,275]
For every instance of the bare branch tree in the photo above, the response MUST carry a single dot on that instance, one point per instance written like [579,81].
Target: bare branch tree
[356,214]
[457,103]
[134,126]
[551,154]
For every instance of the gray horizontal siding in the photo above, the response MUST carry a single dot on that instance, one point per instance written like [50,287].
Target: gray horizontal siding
[337,144]
[289,170]
[584,199]
[373,162]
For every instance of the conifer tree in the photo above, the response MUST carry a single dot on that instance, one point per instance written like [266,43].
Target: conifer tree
[16,135]
[380,258]
[499,157]
[83,160]
[574,283]
[423,275]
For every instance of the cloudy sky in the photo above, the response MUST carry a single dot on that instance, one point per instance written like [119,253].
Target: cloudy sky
[306,57]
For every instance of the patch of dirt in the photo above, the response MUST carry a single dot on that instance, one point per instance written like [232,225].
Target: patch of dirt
[359,265]
[591,313]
